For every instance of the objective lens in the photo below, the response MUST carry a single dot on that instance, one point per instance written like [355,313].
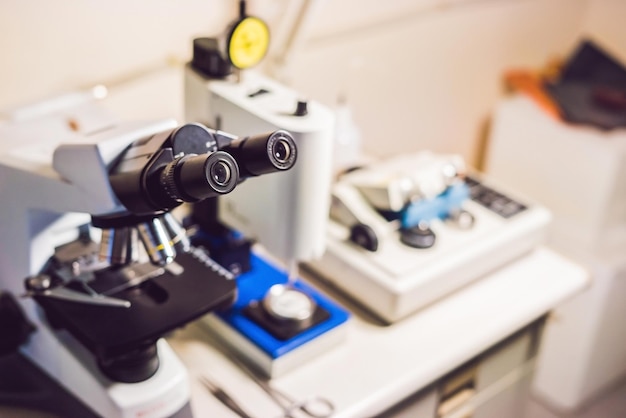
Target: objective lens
[114,245]
[221,173]
[281,151]
[178,235]
[156,242]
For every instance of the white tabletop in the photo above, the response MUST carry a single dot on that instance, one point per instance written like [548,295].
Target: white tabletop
[377,366]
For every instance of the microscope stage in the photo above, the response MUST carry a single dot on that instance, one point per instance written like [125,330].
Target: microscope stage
[158,306]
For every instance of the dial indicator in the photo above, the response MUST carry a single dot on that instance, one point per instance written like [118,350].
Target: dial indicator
[248,42]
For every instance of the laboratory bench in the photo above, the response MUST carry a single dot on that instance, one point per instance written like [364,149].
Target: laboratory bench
[448,360]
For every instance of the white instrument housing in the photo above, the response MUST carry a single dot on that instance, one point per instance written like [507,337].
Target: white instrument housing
[397,280]
[287,211]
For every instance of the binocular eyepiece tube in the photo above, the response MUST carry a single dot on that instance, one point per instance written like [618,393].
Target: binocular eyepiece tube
[191,177]
[194,163]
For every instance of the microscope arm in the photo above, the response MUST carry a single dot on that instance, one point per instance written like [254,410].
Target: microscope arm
[84,168]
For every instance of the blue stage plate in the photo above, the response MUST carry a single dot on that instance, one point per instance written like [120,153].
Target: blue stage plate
[252,286]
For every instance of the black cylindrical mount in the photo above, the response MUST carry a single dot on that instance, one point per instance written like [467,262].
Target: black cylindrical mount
[134,366]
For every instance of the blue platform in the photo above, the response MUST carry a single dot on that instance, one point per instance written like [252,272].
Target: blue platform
[252,286]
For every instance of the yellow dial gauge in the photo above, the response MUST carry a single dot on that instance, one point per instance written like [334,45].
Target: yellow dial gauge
[248,42]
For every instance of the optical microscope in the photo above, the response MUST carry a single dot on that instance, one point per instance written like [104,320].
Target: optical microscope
[407,231]
[278,322]
[80,190]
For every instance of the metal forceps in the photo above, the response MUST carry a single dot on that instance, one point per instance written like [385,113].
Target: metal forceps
[223,397]
[314,406]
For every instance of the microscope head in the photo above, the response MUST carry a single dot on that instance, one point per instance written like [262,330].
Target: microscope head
[185,165]
[159,173]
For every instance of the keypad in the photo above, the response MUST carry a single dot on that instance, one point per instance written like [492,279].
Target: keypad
[493,200]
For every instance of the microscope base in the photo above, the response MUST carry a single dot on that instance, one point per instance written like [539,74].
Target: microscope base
[257,346]
[67,362]
[25,389]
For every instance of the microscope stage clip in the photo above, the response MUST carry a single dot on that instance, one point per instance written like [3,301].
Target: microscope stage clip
[78,297]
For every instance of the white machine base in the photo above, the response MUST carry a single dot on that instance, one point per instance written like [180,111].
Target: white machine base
[397,280]
[590,329]
[160,396]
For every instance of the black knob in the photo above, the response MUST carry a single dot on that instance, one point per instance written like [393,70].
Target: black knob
[302,108]
[419,236]
[364,236]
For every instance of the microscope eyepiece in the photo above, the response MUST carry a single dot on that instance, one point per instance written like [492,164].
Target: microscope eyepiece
[220,172]
[195,177]
[281,151]
[266,153]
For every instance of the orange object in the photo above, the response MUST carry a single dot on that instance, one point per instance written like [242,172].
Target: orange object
[531,85]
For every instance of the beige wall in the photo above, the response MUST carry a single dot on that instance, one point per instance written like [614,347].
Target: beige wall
[48,46]
[418,73]
[429,76]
